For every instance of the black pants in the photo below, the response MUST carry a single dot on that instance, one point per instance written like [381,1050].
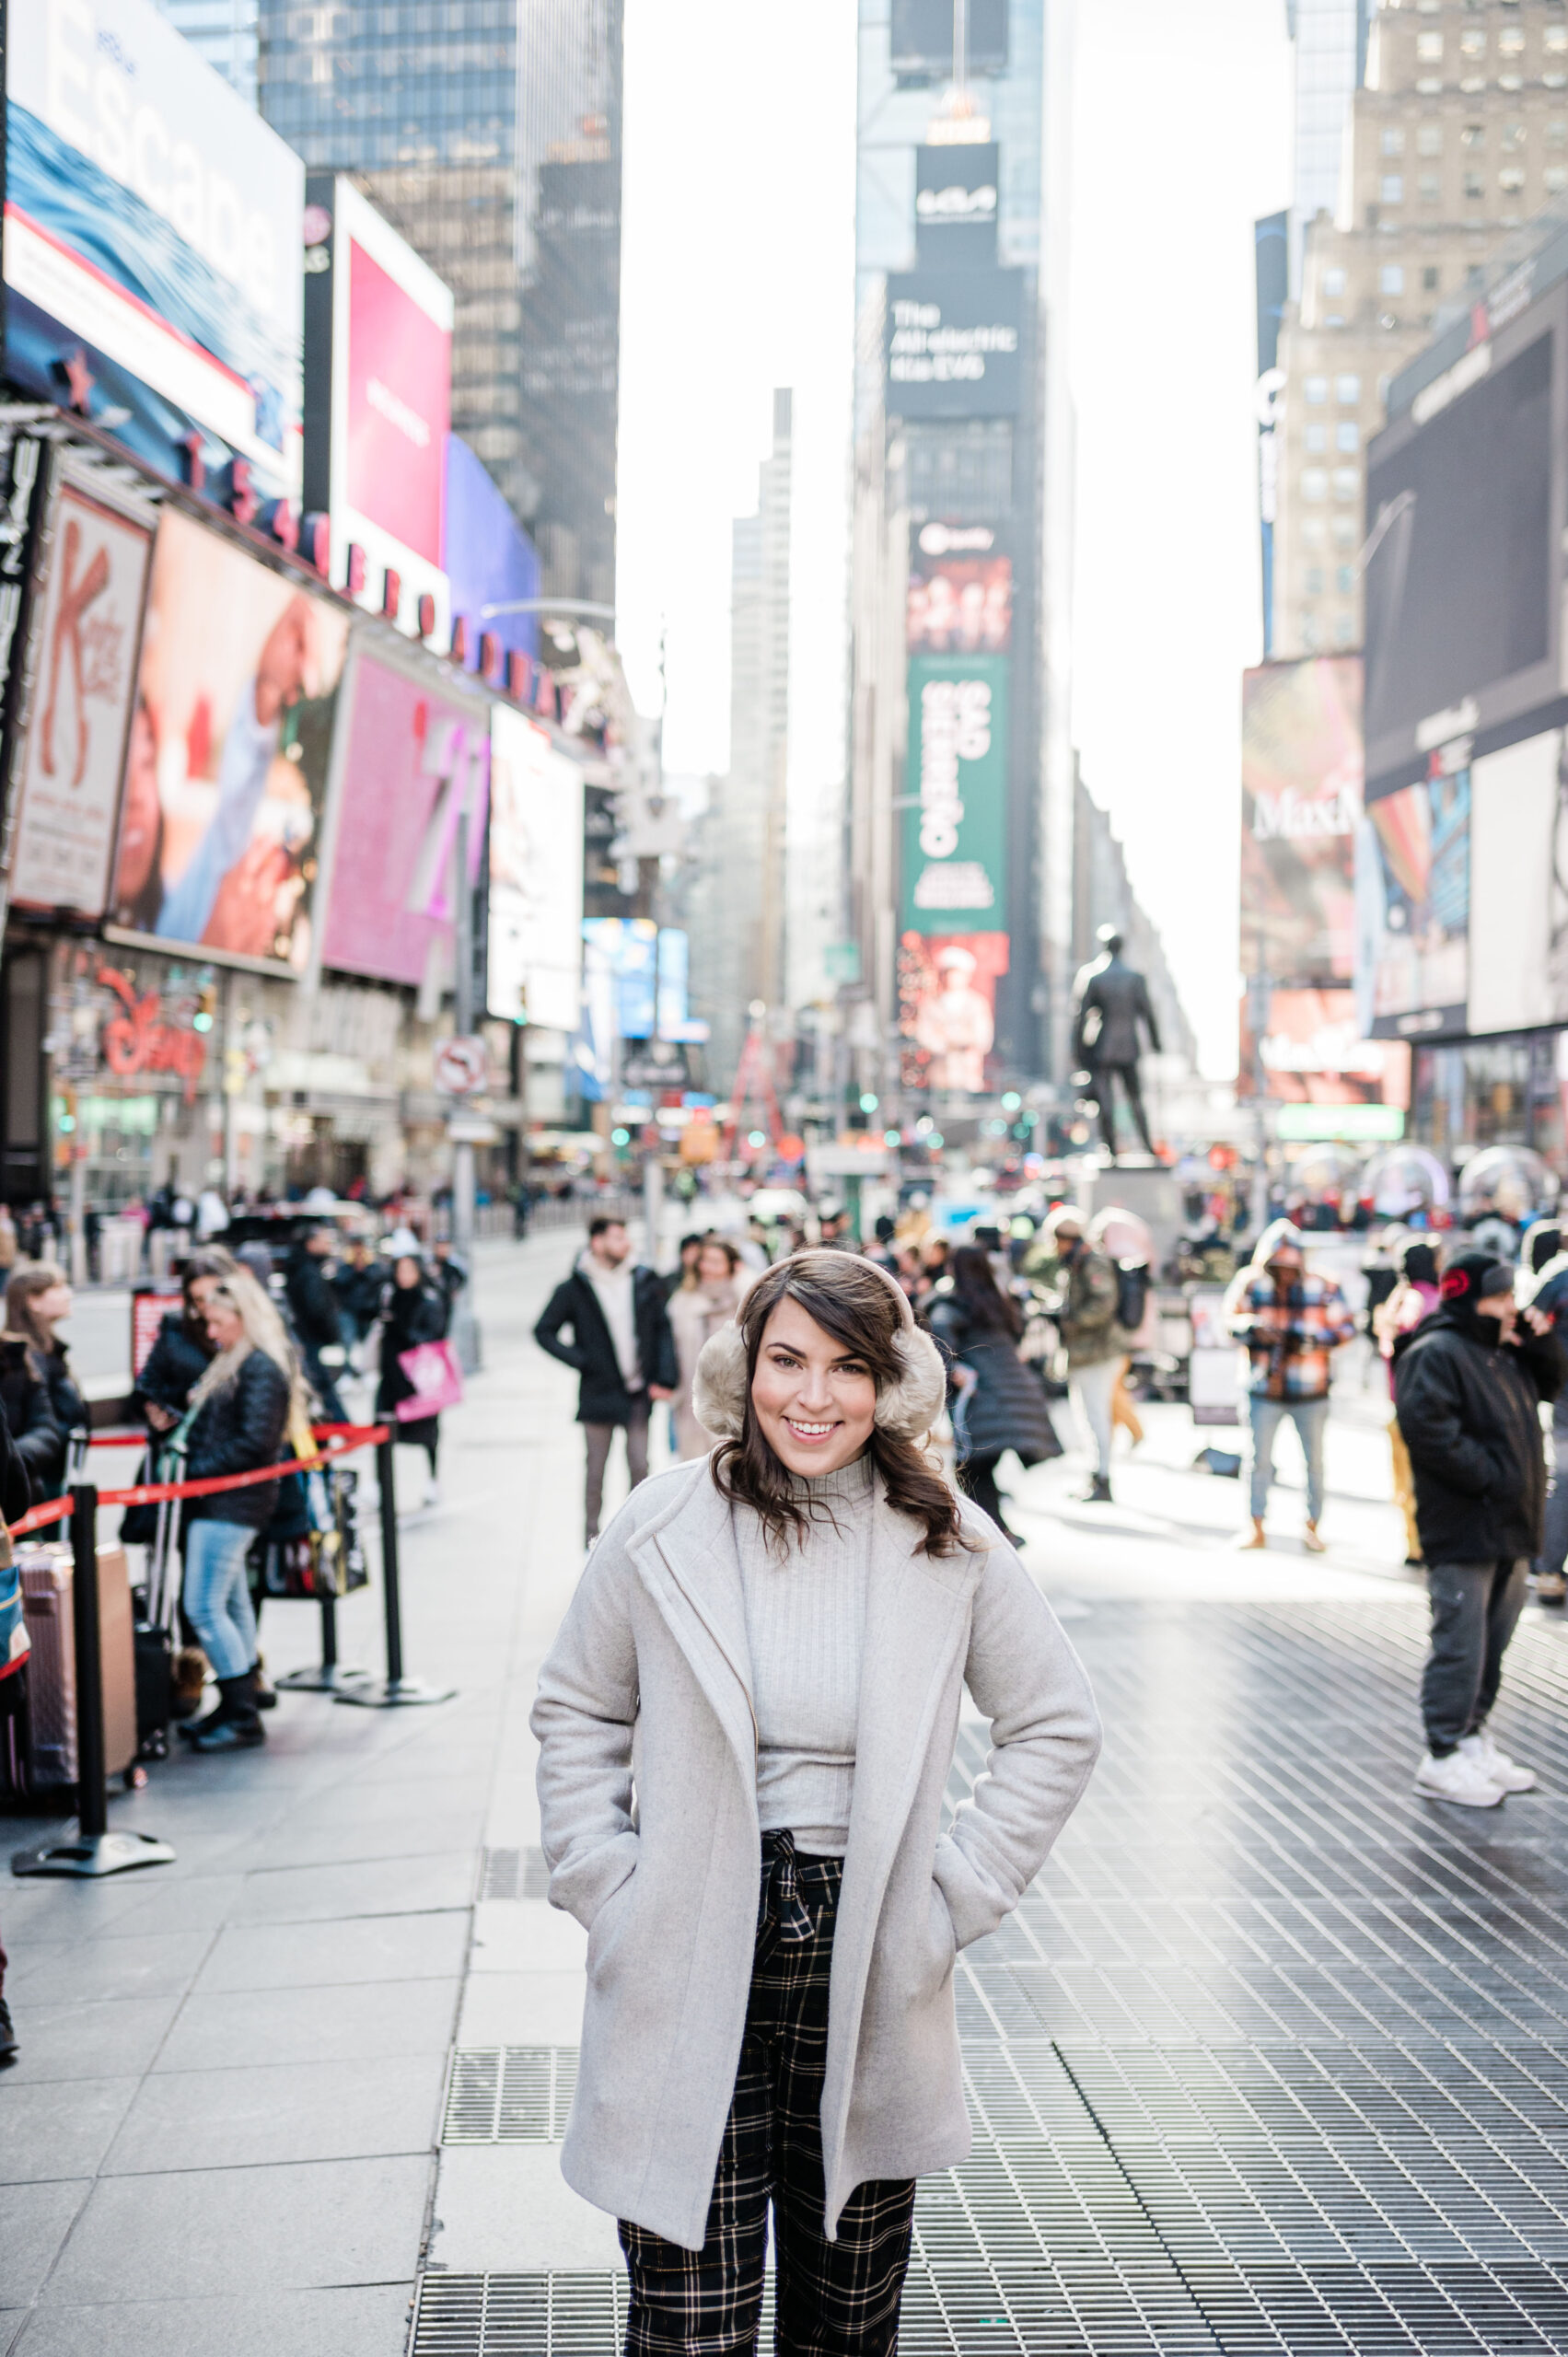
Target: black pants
[1133,1088]
[977,1478]
[1475,1610]
[838,2299]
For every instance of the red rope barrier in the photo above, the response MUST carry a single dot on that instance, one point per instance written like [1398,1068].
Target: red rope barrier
[339,1440]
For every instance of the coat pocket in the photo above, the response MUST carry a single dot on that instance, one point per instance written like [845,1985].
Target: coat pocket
[941,1945]
[606,1934]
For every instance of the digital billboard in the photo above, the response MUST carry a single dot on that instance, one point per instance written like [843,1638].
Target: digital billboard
[1412,894]
[152,250]
[1518,931]
[947,1008]
[412,765]
[1461,549]
[921,37]
[226,768]
[87,626]
[488,558]
[536,875]
[1313,1051]
[378,334]
[954,204]
[953,342]
[1301,795]
[960,591]
[956,794]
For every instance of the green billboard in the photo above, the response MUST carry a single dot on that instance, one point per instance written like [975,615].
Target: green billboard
[955,797]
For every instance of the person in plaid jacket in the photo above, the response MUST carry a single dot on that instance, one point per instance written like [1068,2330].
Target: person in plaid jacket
[1292,1324]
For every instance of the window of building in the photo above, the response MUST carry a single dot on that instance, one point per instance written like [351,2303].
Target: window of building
[1429,48]
[1333,282]
[1473,185]
[1431,278]
[1393,139]
[1472,40]
[1347,391]
[1512,138]
[1391,278]
[1556,179]
[1557,131]
[1314,483]
[1347,482]
[1344,629]
[1473,136]
[1311,636]
[1555,38]
[1347,532]
[1312,531]
[1315,440]
[1429,139]
[1511,179]
[1347,435]
[1391,189]
[1430,190]
[1511,40]
[1316,388]
[1312,581]
[1344,580]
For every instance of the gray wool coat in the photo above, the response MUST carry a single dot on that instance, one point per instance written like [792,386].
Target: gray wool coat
[648,1810]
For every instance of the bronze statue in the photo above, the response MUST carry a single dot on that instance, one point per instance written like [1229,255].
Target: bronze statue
[1111,1000]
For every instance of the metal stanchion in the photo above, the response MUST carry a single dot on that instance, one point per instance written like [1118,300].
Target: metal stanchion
[96,1850]
[384,1693]
[329,1677]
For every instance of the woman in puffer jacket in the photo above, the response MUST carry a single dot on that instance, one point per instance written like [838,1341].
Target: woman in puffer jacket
[996,1401]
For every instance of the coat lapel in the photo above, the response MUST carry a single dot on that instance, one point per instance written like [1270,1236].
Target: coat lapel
[688,1562]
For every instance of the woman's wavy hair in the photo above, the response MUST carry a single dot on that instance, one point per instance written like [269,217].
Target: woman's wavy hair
[859,1309]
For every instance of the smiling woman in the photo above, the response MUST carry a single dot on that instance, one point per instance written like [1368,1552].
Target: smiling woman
[784,1631]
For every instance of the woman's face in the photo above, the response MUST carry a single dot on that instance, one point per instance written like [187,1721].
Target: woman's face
[713,1266]
[141,826]
[406,1275]
[53,1304]
[225,1325]
[815,1403]
[199,1298]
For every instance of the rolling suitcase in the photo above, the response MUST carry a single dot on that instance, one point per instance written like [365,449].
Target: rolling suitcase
[51,1670]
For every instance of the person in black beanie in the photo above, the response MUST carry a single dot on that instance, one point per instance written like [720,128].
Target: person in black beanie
[1548,1291]
[1468,1382]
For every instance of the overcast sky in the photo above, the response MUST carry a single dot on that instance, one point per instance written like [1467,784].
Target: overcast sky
[737,264]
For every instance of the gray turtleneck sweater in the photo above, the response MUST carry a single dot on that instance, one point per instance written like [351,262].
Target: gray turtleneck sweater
[804,1625]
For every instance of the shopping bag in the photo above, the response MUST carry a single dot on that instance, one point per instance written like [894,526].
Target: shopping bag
[431,1368]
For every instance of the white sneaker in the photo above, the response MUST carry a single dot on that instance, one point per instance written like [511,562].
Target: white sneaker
[433,1492]
[1482,1747]
[1460,1776]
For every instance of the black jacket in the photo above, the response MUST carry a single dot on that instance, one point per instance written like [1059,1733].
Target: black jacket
[359,1293]
[30,1419]
[1006,1408]
[1113,1000]
[235,1431]
[69,1408]
[1470,1415]
[174,1365]
[312,1303]
[16,1488]
[602,1397]
[413,1313]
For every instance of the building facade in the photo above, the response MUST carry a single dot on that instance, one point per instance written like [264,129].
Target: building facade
[222,31]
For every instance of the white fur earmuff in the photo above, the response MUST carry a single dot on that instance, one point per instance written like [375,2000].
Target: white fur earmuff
[907,1408]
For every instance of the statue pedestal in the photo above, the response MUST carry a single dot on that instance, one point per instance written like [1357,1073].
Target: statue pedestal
[1139,1184]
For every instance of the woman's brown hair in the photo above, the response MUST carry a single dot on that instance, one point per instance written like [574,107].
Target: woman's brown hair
[859,1309]
[22,1324]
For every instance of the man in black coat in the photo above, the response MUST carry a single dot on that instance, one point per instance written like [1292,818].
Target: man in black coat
[1111,1003]
[316,1313]
[622,1349]
[1468,1382]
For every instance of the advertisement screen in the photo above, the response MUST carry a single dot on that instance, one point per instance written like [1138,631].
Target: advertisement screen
[1313,1053]
[87,623]
[955,818]
[412,764]
[1301,786]
[1412,890]
[947,1008]
[488,557]
[954,204]
[959,602]
[953,339]
[921,38]
[226,768]
[400,391]
[536,875]
[1519,887]
[152,255]
[1459,587]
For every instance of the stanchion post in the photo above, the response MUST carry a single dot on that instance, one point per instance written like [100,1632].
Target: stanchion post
[96,1850]
[375,1693]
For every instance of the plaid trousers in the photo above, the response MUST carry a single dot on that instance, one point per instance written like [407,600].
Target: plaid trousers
[834,2299]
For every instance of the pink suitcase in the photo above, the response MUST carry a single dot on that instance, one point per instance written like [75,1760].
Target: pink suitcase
[51,1670]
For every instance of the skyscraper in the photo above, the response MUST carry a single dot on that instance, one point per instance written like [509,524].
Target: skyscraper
[488,131]
[224,31]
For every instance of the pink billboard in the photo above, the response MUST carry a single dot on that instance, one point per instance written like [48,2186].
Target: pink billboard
[400,376]
[412,764]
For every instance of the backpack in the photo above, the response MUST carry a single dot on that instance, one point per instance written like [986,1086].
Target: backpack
[1131,1295]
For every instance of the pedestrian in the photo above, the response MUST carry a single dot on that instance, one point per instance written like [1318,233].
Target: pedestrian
[1546,1288]
[414,1309]
[250,1396]
[212,1215]
[1124,1239]
[316,1313]
[1468,1382]
[8,1245]
[1082,1281]
[16,1496]
[450,1272]
[359,1282]
[1413,1297]
[38,1300]
[686,1261]
[997,1402]
[773,1924]
[1291,1323]
[621,1350]
[710,1298]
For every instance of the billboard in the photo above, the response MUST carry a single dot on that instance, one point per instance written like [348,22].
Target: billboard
[87,625]
[379,360]
[1518,931]
[412,765]
[947,1008]
[921,38]
[1460,573]
[153,260]
[960,591]
[1301,793]
[488,558]
[956,796]
[1413,898]
[226,768]
[1313,1051]
[953,341]
[954,204]
[536,875]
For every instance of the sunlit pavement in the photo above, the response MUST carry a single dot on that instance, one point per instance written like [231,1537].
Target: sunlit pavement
[1274,2058]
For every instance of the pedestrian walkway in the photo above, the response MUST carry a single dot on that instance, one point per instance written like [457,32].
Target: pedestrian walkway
[1275,2057]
